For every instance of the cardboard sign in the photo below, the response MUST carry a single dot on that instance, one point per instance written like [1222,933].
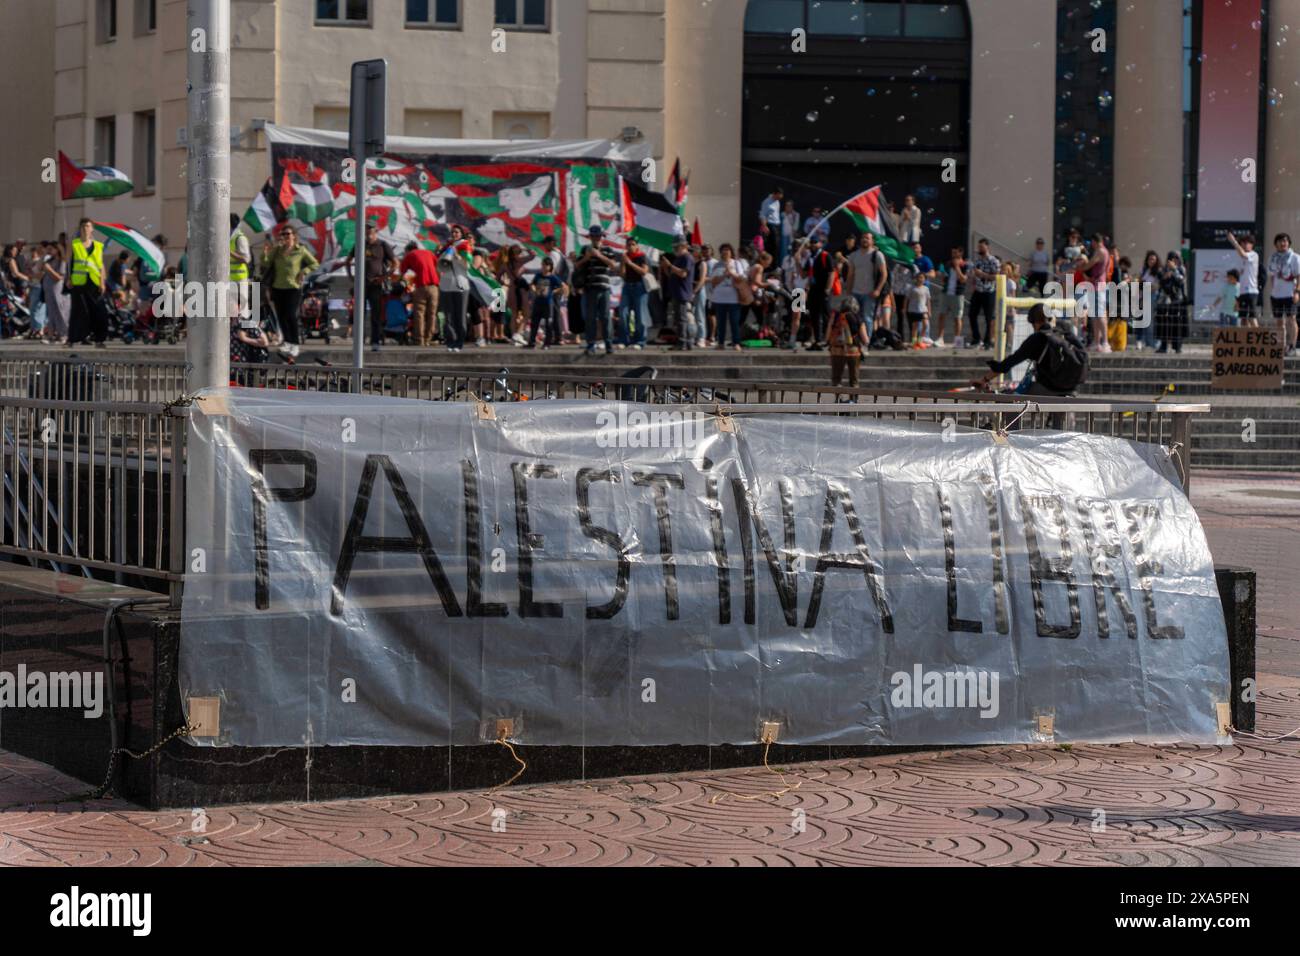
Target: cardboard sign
[1247,359]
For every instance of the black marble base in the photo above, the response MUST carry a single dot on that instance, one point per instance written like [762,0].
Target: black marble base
[53,622]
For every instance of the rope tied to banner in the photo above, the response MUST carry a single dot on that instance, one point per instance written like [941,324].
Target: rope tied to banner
[1001,433]
[1173,455]
[786,787]
[519,760]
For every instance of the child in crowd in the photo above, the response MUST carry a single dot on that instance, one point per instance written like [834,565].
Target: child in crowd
[548,292]
[918,312]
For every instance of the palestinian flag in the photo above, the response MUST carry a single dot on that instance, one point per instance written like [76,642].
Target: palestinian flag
[269,207]
[483,283]
[869,213]
[129,239]
[310,198]
[90,182]
[650,217]
[678,188]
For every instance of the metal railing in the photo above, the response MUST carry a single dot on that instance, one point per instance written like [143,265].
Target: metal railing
[94,485]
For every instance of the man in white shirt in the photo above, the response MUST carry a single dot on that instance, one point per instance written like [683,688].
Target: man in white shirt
[1248,301]
[769,216]
[1284,272]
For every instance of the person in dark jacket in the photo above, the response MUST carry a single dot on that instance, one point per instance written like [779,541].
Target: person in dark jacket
[1033,350]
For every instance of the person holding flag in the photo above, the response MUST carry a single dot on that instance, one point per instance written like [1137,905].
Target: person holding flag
[86,280]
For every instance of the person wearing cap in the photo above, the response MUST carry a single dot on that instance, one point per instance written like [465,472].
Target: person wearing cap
[1047,334]
[599,264]
[678,271]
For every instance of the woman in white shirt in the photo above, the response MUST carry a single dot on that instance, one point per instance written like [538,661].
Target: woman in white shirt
[723,279]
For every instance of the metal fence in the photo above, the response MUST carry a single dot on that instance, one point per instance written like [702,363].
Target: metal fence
[94,452]
[93,486]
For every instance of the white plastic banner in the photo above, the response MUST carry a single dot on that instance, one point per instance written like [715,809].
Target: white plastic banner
[383,571]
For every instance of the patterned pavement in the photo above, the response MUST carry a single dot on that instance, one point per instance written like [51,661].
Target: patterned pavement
[1126,805]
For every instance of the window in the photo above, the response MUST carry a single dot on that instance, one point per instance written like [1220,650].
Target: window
[521,125]
[332,118]
[106,141]
[443,14]
[146,17]
[523,14]
[343,12]
[929,19]
[144,151]
[106,20]
[433,124]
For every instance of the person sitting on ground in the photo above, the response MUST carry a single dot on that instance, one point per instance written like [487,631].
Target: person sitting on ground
[1060,359]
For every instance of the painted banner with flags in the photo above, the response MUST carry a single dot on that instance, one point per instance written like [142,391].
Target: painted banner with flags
[90,182]
[135,242]
[650,217]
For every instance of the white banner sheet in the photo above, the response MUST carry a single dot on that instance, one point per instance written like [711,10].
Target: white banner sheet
[376,571]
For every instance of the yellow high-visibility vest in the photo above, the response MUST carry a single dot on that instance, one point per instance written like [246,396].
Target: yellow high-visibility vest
[238,270]
[87,264]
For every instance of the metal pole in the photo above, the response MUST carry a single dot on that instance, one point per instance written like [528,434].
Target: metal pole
[359,275]
[207,340]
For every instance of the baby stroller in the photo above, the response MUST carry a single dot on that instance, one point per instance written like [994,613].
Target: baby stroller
[15,317]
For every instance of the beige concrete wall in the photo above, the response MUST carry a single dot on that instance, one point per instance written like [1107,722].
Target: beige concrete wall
[625,69]
[1281,166]
[1013,92]
[704,69]
[27,117]
[122,77]
[1148,211]
[428,69]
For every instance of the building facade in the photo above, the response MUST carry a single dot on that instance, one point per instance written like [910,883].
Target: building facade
[1037,129]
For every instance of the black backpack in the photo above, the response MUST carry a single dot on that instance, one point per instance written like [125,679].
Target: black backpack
[1063,365]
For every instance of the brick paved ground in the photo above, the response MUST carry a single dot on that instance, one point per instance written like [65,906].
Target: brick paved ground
[1172,806]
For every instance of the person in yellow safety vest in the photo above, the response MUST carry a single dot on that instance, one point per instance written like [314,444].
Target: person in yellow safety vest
[86,283]
[241,254]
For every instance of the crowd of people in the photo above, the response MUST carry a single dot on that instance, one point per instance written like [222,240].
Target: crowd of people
[787,288]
